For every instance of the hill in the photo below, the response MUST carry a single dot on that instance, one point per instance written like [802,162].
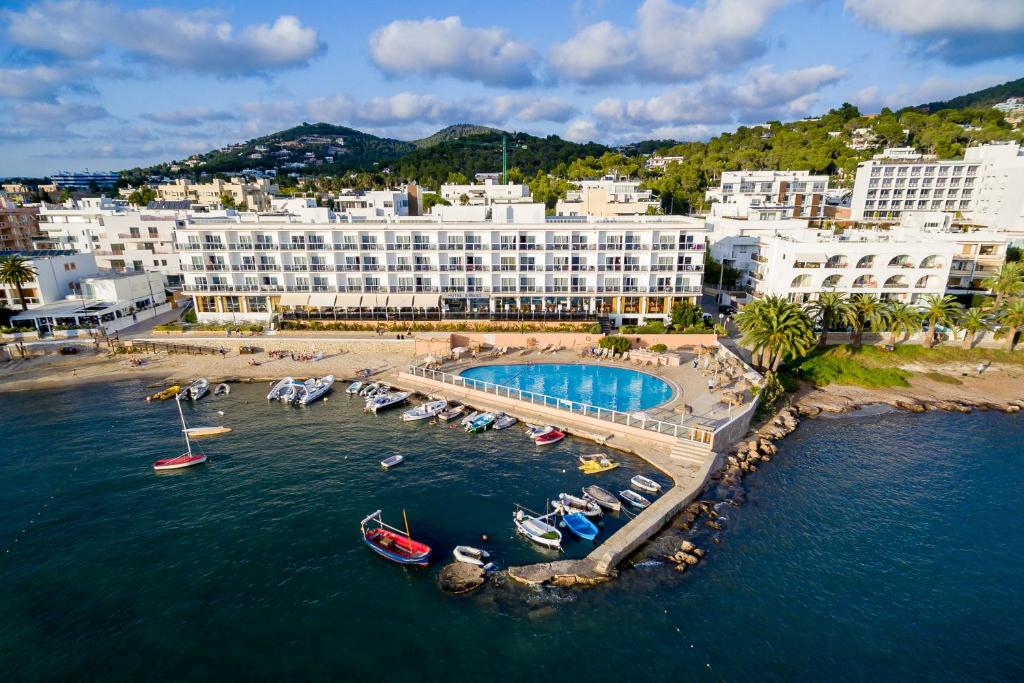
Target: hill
[454,132]
[980,98]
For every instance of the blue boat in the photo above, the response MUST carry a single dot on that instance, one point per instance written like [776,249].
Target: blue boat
[580,525]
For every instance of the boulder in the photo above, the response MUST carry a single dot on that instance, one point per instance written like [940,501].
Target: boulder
[808,410]
[460,577]
[699,552]
[682,567]
[686,546]
[713,525]
[691,560]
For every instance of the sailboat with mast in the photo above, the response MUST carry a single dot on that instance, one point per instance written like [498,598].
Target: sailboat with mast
[186,459]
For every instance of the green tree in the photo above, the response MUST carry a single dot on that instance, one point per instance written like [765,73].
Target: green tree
[16,272]
[901,319]
[831,310]
[868,312]
[456,178]
[974,320]
[1007,281]
[775,329]
[713,272]
[430,200]
[227,201]
[686,314]
[1012,317]
[142,196]
[938,310]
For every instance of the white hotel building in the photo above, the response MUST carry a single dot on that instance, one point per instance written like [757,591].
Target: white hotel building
[769,195]
[497,262]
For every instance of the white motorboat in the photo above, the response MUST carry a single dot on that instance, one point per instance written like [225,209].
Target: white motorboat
[424,410]
[568,504]
[504,421]
[222,389]
[393,461]
[634,499]
[471,555]
[280,388]
[380,402]
[538,528]
[644,484]
[533,431]
[293,392]
[195,391]
[354,387]
[319,387]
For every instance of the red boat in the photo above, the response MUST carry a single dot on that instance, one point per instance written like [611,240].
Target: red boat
[554,436]
[392,544]
[187,459]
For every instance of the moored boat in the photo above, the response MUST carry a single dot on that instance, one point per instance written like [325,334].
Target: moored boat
[453,412]
[391,544]
[279,388]
[368,388]
[314,389]
[549,438]
[195,391]
[471,555]
[424,411]
[568,503]
[186,459]
[382,401]
[393,461]
[354,387]
[469,418]
[203,432]
[596,463]
[578,523]
[504,421]
[634,499]
[164,394]
[605,499]
[533,431]
[222,389]
[538,528]
[481,423]
[644,484]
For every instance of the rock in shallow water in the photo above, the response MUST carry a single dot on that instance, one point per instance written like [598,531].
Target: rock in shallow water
[459,577]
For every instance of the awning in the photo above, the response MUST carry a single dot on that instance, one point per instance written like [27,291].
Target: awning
[348,300]
[294,300]
[374,300]
[400,300]
[322,299]
[812,258]
[428,301]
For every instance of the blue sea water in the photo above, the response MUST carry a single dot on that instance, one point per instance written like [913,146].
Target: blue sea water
[884,548]
[598,385]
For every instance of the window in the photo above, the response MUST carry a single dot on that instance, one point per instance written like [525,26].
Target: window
[154,232]
[134,232]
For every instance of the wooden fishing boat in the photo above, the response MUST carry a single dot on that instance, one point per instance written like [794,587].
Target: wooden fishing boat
[469,418]
[504,421]
[538,528]
[596,463]
[204,432]
[581,526]
[471,555]
[393,461]
[163,395]
[549,438]
[424,411]
[634,499]
[453,412]
[644,484]
[391,544]
[568,503]
[186,459]
[481,423]
[603,498]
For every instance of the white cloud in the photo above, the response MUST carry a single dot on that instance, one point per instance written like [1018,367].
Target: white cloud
[189,117]
[444,47]
[872,98]
[956,31]
[198,41]
[59,113]
[581,130]
[670,43]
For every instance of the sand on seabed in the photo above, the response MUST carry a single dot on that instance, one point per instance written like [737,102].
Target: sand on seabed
[343,359]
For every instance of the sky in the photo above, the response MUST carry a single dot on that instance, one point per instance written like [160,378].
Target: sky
[110,85]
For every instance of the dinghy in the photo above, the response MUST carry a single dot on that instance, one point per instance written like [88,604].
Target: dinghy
[634,499]
[603,498]
[538,529]
[580,525]
[354,387]
[203,432]
[481,423]
[644,484]
[424,411]
[391,544]
[596,463]
[380,402]
[568,503]
[549,438]
[169,392]
[369,388]
[393,461]
[222,389]
[195,391]
[314,389]
[504,421]
[186,459]
[280,388]
[452,413]
[533,431]
[471,555]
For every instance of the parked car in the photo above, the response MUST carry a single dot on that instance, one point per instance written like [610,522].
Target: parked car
[727,309]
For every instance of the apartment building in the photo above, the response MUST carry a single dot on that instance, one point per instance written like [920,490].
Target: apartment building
[660,163]
[985,187]
[57,272]
[254,195]
[769,195]
[84,180]
[18,225]
[505,263]
[608,196]
[487,193]
[372,203]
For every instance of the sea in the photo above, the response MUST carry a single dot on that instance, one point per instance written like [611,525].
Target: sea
[883,547]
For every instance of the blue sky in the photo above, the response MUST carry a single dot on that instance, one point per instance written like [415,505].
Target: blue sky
[108,85]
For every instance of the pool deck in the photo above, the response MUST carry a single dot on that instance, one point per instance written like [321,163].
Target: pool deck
[687,463]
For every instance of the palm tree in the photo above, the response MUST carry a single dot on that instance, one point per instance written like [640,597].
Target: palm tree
[868,311]
[1007,281]
[830,310]
[16,272]
[973,320]
[775,329]
[938,310]
[1012,316]
[901,318]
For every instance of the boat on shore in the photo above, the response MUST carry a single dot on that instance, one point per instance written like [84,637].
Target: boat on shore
[204,432]
[579,525]
[505,421]
[314,389]
[382,401]
[195,391]
[596,463]
[549,438]
[481,423]
[538,528]
[471,555]
[279,389]
[568,503]
[644,484]
[424,411]
[354,387]
[186,459]
[453,412]
[164,394]
[393,461]
[605,499]
[222,389]
[391,544]
[634,499]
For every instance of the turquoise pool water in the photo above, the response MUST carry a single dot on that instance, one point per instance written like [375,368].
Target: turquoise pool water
[599,385]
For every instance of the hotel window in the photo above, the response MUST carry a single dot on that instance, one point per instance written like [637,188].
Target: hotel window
[154,232]
[134,232]
[256,304]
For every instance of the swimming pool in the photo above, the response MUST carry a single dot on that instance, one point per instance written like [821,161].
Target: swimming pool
[599,385]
